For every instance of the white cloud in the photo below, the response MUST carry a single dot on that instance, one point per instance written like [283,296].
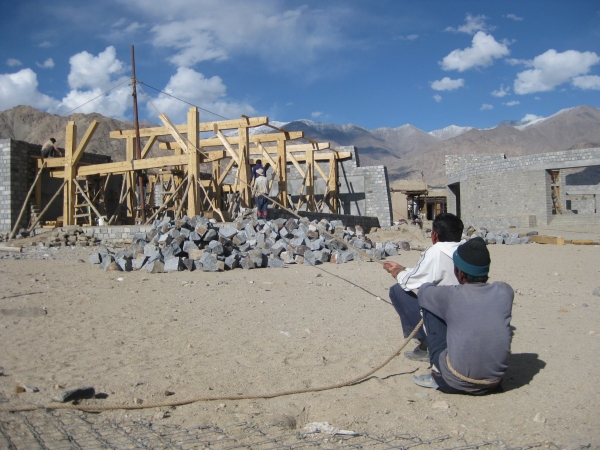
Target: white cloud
[45,44]
[512,103]
[48,64]
[447,84]
[195,88]
[20,88]
[514,17]
[587,82]
[530,118]
[316,114]
[13,62]
[486,107]
[516,62]
[410,37]
[472,25]
[92,71]
[503,91]
[551,69]
[217,30]
[481,54]
[437,98]
[89,77]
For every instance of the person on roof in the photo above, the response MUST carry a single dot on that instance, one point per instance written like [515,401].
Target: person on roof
[435,266]
[49,150]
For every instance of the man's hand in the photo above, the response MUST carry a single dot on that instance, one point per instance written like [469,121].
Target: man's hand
[393,268]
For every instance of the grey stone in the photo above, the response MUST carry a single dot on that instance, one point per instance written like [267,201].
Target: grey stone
[257,257]
[209,263]
[195,254]
[346,256]
[139,262]
[231,262]
[405,246]
[276,263]
[75,394]
[499,239]
[124,264]
[210,235]
[155,267]
[309,258]
[299,259]
[597,291]
[156,256]
[250,232]
[228,232]
[95,258]
[525,240]
[106,260]
[512,240]
[165,239]
[188,263]
[189,245]
[173,264]
[301,249]
[390,250]
[532,233]
[287,257]
[246,263]
[216,247]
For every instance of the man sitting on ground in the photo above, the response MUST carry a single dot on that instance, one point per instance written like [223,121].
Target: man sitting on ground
[435,266]
[468,326]
[49,150]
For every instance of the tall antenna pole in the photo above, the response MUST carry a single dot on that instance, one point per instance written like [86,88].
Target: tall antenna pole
[138,147]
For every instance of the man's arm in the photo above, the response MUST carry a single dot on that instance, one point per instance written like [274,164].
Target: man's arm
[393,268]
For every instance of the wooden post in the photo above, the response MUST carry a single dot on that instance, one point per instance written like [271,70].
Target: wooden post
[193,162]
[333,184]
[69,174]
[282,172]
[310,179]
[244,167]
[39,217]
[24,207]
[217,188]
[130,187]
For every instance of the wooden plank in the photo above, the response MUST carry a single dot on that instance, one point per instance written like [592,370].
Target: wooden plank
[548,240]
[321,172]
[174,132]
[584,242]
[69,195]
[85,141]
[204,126]
[227,146]
[148,146]
[234,140]
[7,248]
[306,147]
[139,164]
[294,161]
[192,193]
[266,155]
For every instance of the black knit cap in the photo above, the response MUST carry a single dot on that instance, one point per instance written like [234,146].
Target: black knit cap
[473,257]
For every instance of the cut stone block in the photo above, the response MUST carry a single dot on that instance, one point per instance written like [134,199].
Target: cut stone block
[276,263]
[95,258]
[139,262]
[155,267]
[195,254]
[309,258]
[210,235]
[228,232]
[216,247]
[174,265]
[124,264]
[246,263]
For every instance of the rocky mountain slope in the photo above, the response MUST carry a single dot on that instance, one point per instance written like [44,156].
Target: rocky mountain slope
[406,150]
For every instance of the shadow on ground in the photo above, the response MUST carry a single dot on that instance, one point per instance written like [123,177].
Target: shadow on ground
[522,368]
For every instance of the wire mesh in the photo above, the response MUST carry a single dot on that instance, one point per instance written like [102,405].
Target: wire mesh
[76,430]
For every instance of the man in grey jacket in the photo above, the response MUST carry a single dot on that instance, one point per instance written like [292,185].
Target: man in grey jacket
[435,266]
[468,326]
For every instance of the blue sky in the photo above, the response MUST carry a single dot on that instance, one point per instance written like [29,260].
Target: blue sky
[371,63]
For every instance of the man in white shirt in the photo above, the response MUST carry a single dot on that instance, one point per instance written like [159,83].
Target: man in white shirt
[435,266]
[261,192]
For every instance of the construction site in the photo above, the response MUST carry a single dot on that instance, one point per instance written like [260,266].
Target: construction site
[124,325]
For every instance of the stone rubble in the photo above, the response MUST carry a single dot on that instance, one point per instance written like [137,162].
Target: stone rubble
[198,244]
[501,237]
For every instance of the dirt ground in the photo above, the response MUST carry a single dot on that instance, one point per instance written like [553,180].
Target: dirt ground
[267,330]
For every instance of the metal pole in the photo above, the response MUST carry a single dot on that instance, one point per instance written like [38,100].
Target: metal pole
[138,147]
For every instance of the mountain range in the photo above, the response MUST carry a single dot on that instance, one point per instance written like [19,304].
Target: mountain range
[407,151]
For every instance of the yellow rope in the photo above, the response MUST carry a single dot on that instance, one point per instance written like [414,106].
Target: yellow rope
[58,406]
[467,379]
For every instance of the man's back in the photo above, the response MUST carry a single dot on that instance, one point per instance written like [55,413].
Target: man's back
[478,320]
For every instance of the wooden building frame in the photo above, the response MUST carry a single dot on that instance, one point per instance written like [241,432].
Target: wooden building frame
[190,193]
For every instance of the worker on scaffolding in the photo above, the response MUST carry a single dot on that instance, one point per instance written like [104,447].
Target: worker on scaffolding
[49,150]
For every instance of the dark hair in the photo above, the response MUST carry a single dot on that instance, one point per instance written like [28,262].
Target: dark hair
[472,279]
[448,227]
[53,140]
[258,162]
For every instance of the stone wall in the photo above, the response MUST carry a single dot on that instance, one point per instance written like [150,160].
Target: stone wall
[17,172]
[496,192]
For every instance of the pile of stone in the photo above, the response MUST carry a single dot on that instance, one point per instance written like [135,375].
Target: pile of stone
[69,236]
[198,244]
[501,237]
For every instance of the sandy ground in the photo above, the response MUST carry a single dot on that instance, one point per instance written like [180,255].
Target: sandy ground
[266,330]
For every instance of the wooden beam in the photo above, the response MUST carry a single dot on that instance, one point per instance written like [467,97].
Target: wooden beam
[294,161]
[203,127]
[136,164]
[548,240]
[306,147]
[174,132]
[148,146]
[87,198]
[69,197]
[265,154]
[227,146]
[225,172]
[194,159]
[26,202]
[282,172]
[85,141]
[244,166]
[321,172]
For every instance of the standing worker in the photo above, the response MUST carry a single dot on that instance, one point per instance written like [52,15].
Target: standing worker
[261,191]
[49,150]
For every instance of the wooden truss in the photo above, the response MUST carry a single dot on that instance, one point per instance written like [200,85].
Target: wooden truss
[197,177]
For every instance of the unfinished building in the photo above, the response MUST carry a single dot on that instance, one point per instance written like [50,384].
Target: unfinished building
[200,176]
[526,191]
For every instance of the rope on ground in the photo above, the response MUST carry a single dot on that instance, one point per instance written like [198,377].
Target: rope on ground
[91,408]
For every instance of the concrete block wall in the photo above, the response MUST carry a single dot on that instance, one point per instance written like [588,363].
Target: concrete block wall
[496,192]
[17,172]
